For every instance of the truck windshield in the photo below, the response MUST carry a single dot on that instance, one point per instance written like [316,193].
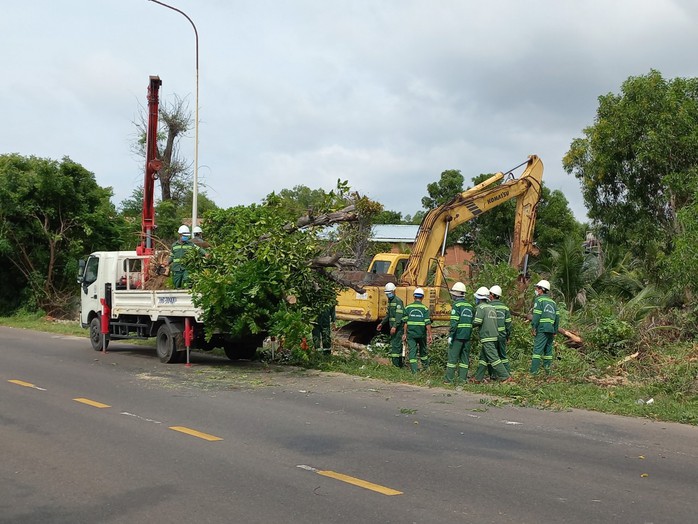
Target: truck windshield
[90,271]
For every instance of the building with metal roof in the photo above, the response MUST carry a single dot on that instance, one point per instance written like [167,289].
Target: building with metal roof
[394,233]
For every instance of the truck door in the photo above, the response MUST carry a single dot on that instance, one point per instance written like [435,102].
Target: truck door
[89,298]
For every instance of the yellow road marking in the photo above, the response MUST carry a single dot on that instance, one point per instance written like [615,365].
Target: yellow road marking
[25,384]
[22,383]
[93,403]
[194,433]
[358,482]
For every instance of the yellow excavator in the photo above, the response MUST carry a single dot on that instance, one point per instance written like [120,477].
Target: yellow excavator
[424,267]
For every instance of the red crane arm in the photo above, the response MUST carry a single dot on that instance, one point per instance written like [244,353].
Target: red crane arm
[152,166]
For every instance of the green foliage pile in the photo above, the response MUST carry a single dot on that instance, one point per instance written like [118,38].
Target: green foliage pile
[259,276]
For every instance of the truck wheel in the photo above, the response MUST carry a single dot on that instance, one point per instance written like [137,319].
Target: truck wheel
[166,346]
[96,335]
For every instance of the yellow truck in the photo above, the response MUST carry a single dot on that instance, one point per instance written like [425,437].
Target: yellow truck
[424,267]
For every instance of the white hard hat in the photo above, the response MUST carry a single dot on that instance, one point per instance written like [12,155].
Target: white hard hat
[196,230]
[459,287]
[482,293]
[544,284]
[419,292]
[496,290]
[183,230]
[389,287]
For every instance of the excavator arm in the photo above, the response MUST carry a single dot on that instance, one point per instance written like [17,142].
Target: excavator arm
[430,242]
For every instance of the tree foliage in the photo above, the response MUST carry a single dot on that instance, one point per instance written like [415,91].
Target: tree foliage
[450,183]
[261,274]
[679,267]
[389,217]
[51,214]
[301,200]
[635,161]
[170,214]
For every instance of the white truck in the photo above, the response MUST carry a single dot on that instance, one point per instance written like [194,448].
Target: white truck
[114,279]
[113,302]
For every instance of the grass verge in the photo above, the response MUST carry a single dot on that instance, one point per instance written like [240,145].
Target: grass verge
[660,385]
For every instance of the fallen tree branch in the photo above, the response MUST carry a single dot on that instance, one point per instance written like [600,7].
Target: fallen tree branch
[340,281]
[573,338]
[348,214]
[627,359]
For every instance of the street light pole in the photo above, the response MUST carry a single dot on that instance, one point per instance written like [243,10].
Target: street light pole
[195,189]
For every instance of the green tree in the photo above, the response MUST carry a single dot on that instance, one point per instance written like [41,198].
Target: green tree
[678,268]
[169,214]
[51,214]
[301,200]
[417,218]
[555,222]
[449,185]
[388,217]
[636,161]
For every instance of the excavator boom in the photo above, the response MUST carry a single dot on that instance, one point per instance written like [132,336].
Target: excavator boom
[362,310]
[431,237]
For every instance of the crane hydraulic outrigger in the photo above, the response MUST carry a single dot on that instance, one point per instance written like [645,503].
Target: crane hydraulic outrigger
[424,267]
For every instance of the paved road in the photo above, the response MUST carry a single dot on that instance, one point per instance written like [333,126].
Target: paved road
[120,437]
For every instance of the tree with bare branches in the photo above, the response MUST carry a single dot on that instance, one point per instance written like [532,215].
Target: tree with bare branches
[175,119]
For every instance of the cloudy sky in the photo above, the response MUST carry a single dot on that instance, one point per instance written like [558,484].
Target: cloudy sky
[386,94]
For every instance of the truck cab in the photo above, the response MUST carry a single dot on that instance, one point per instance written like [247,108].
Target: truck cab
[121,269]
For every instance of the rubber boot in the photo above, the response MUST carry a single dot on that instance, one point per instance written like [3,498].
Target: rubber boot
[450,373]
[480,372]
[463,372]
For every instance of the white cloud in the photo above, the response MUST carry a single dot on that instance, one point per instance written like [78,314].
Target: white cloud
[384,94]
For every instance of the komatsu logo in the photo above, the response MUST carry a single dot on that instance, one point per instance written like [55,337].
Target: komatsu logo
[167,300]
[498,197]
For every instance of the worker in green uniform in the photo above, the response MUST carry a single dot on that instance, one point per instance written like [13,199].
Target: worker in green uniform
[459,335]
[198,237]
[180,275]
[544,324]
[322,329]
[486,322]
[393,322]
[503,324]
[417,331]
